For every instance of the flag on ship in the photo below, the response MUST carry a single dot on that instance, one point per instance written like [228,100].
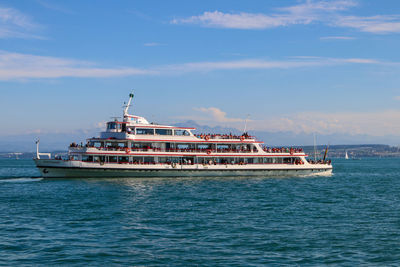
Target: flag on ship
[326,152]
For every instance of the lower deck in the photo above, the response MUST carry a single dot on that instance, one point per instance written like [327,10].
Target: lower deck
[60,168]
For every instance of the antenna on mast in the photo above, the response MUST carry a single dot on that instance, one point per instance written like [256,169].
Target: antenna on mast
[129,104]
[245,123]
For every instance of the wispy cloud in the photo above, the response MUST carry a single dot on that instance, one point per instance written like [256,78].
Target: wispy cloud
[310,6]
[152,44]
[22,66]
[15,66]
[14,24]
[304,13]
[374,24]
[337,38]
[299,62]
[326,12]
[54,7]
[238,21]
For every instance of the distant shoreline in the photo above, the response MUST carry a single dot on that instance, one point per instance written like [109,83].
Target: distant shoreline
[334,151]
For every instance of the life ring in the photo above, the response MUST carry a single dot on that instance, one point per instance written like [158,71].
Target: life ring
[242,138]
[127,150]
[208,152]
[173,165]
[207,137]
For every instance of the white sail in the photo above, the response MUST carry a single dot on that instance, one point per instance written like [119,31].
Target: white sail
[346,156]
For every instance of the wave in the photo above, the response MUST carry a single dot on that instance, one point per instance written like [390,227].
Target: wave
[20,179]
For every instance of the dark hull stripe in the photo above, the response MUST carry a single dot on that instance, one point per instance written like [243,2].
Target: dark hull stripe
[178,169]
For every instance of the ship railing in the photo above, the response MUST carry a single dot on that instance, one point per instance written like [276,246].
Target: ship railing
[328,162]
[282,150]
[224,136]
[204,163]
[181,150]
[211,162]
[192,150]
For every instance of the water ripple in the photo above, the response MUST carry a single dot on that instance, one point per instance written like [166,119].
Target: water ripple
[350,218]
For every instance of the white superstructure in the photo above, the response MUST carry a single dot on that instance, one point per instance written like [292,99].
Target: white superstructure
[134,147]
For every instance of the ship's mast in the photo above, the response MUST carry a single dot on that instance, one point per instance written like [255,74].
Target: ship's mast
[128,105]
[315,148]
[37,148]
[245,123]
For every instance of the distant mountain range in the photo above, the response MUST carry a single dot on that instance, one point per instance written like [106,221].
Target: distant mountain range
[299,139]
[60,141]
[335,151]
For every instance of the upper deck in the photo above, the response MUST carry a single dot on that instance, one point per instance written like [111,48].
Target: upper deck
[137,128]
[133,130]
[161,133]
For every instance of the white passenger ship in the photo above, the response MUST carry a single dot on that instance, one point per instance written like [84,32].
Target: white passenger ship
[134,147]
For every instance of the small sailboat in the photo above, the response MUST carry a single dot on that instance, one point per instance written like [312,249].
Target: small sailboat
[346,156]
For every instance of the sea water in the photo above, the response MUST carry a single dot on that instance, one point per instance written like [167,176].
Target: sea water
[350,218]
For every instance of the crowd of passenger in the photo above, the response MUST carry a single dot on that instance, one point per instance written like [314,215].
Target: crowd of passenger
[76,145]
[290,150]
[320,161]
[224,136]
[205,150]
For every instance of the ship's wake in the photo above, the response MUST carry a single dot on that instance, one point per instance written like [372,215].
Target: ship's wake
[20,179]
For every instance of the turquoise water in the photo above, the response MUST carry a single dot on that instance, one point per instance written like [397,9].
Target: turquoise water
[351,218]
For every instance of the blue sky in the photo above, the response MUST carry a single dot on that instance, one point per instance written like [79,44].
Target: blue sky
[303,66]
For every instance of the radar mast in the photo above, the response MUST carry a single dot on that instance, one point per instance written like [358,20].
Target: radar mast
[126,107]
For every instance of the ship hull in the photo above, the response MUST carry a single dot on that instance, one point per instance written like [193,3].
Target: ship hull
[66,169]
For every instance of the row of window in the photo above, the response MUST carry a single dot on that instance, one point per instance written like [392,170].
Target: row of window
[169,146]
[148,131]
[199,160]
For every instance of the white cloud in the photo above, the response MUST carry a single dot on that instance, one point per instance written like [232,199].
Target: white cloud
[238,21]
[17,66]
[326,12]
[14,66]
[378,123]
[152,44]
[326,6]
[337,38]
[298,62]
[305,13]
[361,61]
[54,7]
[100,124]
[14,24]
[217,115]
[375,24]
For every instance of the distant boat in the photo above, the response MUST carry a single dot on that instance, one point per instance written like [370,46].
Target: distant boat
[16,154]
[346,156]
